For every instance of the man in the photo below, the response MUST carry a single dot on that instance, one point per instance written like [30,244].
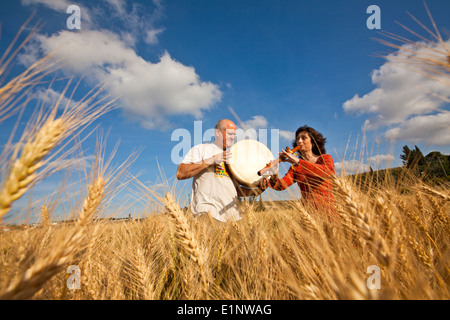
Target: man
[214,191]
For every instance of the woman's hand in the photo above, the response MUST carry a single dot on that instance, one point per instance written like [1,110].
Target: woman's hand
[288,157]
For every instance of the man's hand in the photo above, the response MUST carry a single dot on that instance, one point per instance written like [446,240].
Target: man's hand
[264,184]
[269,182]
[218,158]
[247,192]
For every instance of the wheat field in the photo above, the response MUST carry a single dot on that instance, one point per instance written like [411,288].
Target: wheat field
[287,252]
[278,251]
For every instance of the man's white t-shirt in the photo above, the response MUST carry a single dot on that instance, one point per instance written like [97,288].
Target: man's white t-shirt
[213,190]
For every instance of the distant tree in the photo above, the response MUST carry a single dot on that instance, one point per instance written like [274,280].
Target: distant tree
[437,165]
[406,153]
[413,159]
[434,165]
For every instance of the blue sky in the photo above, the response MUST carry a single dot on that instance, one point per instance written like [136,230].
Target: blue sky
[277,64]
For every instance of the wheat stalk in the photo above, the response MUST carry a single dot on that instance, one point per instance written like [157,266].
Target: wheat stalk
[430,58]
[439,213]
[306,220]
[143,276]
[41,271]
[420,253]
[9,93]
[429,190]
[45,217]
[186,236]
[361,219]
[22,172]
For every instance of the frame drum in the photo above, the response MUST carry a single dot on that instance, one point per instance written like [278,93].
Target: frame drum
[248,157]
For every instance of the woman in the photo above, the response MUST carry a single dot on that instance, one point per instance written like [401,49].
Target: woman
[312,170]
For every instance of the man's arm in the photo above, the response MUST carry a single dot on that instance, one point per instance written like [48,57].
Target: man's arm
[189,170]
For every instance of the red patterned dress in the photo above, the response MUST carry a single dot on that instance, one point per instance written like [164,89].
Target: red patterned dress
[314,181]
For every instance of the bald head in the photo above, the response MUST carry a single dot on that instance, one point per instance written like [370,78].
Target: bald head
[224,124]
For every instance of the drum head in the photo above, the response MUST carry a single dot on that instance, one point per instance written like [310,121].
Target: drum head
[248,157]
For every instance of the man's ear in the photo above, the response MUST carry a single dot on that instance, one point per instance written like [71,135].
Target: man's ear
[217,133]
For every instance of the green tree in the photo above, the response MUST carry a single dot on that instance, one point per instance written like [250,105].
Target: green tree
[413,159]
[433,166]
[437,165]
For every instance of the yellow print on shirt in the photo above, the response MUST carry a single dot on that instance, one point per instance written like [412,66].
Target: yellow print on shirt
[219,170]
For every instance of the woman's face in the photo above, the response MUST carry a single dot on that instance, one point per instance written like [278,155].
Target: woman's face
[304,141]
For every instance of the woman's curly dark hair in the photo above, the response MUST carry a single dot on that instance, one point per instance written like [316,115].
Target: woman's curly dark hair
[317,139]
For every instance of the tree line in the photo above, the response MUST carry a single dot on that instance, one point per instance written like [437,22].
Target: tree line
[435,166]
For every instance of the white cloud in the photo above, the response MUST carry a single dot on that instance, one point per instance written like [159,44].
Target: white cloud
[287,135]
[149,92]
[379,158]
[131,21]
[61,6]
[50,97]
[74,164]
[30,53]
[256,122]
[381,161]
[119,6]
[406,95]
[377,162]
[251,128]
[140,21]
[429,129]
[151,36]
[257,128]
[348,167]
[57,5]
